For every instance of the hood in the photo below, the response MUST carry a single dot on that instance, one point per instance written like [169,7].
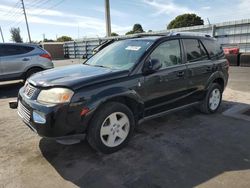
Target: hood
[74,76]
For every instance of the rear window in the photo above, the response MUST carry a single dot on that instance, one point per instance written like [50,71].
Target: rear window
[8,50]
[194,50]
[213,48]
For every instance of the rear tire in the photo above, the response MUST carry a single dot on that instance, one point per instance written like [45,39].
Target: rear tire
[32,71]
[212,100]
[111,127]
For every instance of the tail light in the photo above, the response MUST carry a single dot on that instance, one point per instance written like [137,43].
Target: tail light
[48,56]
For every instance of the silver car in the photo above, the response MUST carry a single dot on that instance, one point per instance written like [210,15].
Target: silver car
[20,61]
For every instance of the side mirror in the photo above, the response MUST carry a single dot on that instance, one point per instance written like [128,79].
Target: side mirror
[151,66]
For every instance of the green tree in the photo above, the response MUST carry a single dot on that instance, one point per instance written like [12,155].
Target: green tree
[15,34]
[130,32]
[48,40]
[64,39]
[137,28]
[113,34]
[185,20]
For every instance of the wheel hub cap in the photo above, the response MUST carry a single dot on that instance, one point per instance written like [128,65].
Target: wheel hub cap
[114,129]
[214,99]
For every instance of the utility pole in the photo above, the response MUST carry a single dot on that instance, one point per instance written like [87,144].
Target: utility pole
[208,21]
[1,33]
[24,12]
[43,37]
[107,17]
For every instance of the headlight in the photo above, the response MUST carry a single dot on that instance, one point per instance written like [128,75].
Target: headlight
[55,95]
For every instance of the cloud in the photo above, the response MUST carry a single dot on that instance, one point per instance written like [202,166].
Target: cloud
[167,7]
[235,10]
[58,18]
[206,8]
[113,12]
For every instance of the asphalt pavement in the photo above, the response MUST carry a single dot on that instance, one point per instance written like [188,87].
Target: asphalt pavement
[184,149]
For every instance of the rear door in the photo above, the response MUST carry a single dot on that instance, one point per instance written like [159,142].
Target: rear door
[15,58]
[200,67]
[166,88]
[216,54]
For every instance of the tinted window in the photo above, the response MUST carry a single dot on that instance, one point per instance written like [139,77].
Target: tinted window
[168,53]
[194,49]
[213,48]
[120,55]
[8,50]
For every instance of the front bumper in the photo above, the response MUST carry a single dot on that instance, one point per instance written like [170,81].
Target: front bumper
[61,121]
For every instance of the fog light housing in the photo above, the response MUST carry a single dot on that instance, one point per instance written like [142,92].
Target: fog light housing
[38,117]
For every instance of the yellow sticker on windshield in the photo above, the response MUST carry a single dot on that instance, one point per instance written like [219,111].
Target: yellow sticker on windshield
[133,48]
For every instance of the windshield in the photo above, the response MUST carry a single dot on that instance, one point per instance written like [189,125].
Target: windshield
[120,55]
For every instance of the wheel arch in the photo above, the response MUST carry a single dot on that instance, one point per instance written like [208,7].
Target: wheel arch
[220,81]
[127,97]
[135,106]
[216,78]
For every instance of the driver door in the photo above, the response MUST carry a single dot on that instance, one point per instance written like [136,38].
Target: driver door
[167,88]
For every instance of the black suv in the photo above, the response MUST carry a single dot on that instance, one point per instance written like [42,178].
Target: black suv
[123,84]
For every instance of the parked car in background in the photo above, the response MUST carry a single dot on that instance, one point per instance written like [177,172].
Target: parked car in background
[20,61]
[122,85]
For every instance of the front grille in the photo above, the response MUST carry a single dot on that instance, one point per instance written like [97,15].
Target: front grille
[29,90]
[23,112]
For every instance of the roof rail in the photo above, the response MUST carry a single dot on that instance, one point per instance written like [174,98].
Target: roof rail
[138,35]
[188,34]
[149,34]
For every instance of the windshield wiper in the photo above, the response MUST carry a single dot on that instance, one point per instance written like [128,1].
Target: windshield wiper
[100,66]
[96,65]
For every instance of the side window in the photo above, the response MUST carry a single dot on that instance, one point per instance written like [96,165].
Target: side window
[213,48]
[194,50]
[26,49]
[168,53]
[16,50]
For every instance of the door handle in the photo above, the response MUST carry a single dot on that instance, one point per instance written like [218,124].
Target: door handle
[209,69]
[25,59]
[180,74]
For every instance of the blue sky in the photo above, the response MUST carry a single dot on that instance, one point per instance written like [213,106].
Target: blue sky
[85,18]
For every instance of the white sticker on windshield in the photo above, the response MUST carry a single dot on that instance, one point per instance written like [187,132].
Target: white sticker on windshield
[133,48]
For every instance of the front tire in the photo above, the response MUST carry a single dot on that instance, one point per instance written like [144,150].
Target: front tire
[212,100]
[111,127]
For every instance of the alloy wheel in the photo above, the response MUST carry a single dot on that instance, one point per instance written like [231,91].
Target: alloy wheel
[214,99]
[115,129]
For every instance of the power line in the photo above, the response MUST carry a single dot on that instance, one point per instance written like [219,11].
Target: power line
[53,6]
[38,4]
[15,7]
[15,23]
[32,3]
[14,12]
